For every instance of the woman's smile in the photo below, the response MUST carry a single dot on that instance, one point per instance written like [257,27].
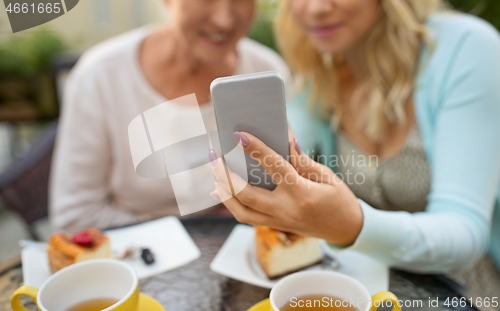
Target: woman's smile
[216,38]
[325,30]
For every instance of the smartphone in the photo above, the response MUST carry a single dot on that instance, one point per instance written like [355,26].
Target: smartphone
[253,103]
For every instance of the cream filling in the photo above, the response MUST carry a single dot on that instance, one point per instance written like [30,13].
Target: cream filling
[301,254]
[103,251]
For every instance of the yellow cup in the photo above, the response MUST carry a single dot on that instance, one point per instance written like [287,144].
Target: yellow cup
[99,278]
[349,291]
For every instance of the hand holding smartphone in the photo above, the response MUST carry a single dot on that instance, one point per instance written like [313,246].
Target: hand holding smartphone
[253,103]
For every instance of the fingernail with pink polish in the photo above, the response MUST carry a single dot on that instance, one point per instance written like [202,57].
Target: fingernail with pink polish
[212,156]
[297,146]
[238,137]
[215,195]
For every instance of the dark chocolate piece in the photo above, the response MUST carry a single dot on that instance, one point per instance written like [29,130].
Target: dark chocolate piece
[147,256]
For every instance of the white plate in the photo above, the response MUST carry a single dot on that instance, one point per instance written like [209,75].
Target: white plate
[236,260]
[166,237]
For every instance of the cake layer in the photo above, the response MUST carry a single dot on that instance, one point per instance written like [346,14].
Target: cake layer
[281,253]
[62,251]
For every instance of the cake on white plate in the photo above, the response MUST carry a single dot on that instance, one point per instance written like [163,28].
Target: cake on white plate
[64,250]
[280,253]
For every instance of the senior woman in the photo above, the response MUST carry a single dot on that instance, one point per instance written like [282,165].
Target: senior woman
[415,86]
[93,182]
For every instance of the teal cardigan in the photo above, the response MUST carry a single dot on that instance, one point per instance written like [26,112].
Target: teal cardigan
[457,104]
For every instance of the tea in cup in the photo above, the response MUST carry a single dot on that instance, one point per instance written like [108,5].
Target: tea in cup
[326,290]
[99,284]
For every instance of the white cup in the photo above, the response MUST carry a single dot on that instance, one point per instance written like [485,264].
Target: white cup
[87,280]
[349,291]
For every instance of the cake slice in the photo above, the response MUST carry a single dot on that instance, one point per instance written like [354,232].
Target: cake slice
[64,250]
[280,253]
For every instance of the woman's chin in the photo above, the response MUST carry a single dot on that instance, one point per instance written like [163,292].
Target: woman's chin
[328,48]
[329,45]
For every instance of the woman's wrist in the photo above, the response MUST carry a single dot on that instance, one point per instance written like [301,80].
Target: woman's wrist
[349,233]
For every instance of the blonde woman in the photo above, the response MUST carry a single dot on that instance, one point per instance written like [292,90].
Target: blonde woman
[416,88]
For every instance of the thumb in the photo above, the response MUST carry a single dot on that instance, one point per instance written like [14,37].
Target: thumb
[310,169]
[276,166]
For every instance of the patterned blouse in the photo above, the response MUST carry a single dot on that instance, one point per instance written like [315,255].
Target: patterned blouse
[402,183]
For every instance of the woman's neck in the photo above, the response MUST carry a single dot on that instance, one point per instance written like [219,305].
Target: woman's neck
[355,60]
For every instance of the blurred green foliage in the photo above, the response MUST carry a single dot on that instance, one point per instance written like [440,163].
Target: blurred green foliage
[28,54]
[262,30]
[486,9]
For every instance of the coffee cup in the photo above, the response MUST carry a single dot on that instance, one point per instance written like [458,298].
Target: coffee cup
[348,292]
[82,282]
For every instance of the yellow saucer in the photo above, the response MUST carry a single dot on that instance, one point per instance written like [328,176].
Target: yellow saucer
[148,303]
[264,305]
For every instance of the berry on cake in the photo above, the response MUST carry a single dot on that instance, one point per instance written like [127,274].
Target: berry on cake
[64,250]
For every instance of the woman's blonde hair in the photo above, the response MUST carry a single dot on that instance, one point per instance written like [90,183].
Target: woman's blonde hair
[392,52]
